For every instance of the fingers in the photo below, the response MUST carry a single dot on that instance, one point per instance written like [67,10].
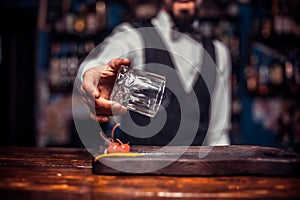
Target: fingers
[89,84]
[92,77]
[96,89]
[102,108]
[107,107]
[99,118]
[116,63]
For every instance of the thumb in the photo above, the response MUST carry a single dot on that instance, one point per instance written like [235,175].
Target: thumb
[96,93]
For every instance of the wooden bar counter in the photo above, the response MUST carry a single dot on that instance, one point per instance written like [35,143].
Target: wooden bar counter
[66,173]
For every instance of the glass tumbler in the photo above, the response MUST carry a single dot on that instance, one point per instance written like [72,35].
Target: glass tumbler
[139,90]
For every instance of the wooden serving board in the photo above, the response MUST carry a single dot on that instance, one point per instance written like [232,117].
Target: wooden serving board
[213,161]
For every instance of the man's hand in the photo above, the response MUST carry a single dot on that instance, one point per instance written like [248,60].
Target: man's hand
[97,86]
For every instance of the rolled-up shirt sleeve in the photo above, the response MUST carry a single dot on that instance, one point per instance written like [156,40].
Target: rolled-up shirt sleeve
[123,42]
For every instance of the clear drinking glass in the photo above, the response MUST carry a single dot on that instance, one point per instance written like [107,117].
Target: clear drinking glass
[139,90]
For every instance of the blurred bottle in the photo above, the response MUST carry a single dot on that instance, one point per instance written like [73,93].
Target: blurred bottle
[264,77]
[277,76]
[251,75]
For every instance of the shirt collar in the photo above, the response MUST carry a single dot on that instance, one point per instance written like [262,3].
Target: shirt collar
[163,20]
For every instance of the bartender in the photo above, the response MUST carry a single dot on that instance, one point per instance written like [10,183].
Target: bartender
[202,119]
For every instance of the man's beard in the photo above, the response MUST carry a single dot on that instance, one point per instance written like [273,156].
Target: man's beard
[183,23]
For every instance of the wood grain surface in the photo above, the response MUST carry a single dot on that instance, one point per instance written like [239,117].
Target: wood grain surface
[62,173]
[204,161]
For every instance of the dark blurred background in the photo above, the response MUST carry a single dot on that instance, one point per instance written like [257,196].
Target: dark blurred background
[42,43]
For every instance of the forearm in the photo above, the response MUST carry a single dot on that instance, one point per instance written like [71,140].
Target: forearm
[124,42]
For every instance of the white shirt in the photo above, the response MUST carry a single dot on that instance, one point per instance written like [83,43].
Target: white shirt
[127,42]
